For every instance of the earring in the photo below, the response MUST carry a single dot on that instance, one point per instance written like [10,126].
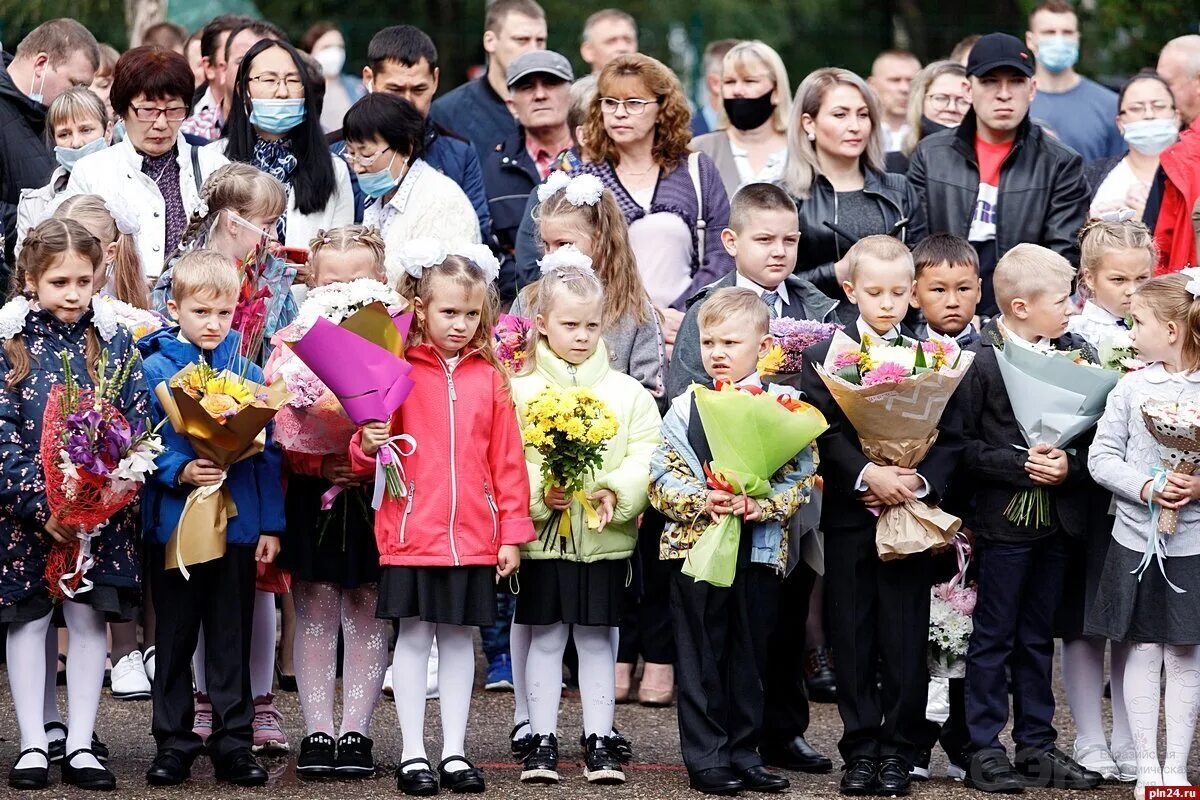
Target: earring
[812,137]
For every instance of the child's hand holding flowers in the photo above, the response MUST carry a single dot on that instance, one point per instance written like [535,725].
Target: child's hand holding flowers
[374,437]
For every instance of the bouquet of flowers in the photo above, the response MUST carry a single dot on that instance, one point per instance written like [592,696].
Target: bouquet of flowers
[511,340]
[894,396]
[1117,353]
[950,608]
[569,428]
[265,302]
[792,338]
[139,321]
[752,434]
[1055,395]
[95,462]
[224,416]
[339,301]
[1175,426]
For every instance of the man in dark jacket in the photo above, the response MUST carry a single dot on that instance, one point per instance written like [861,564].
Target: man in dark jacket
[998,180]
[540,84]
[478,109]
[55,56]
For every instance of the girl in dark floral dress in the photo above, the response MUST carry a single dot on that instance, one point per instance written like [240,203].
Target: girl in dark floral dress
[53,314]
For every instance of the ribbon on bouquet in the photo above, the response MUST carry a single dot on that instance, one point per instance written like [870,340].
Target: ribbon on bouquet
[83,562]
[389,473]
[962,551]
[223,508]
[1154,544]
[589,513]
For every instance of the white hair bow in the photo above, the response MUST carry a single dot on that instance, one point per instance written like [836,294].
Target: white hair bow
[566,257]
[1193,285]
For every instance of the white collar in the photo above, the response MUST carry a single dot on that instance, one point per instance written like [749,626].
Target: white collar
[753,379]
[1042,345]
[1156,373]
[1094,312]
[933,335]
[742,282]
[404,191]
[866,330]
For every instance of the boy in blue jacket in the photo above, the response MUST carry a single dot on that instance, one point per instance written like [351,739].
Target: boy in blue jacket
[219,594]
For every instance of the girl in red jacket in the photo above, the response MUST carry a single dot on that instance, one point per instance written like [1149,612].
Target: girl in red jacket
[465,509]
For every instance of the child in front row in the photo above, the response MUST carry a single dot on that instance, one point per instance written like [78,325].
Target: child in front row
[721,633]
[575,590]
[1159,625]
[219,597]
[1020,567]
[879,609]
[52,315]
[1116,257]
[465,509]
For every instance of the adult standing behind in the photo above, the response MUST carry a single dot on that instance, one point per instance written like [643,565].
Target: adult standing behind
[750,145]
[939,99]
[1078,110]
[636,141]
[478,110]
[835,174]
[55,56]
[539,86]
[999,180]
[324,42]
[708,114]
[891,77]
[208,118]
[274,126]
[607,34]
[1179,63]
[153,170]
[1149,123]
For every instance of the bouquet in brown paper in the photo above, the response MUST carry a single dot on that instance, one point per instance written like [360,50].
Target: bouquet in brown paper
[224,417]
[894,395]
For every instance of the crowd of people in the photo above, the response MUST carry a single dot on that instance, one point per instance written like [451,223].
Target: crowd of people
[995,197]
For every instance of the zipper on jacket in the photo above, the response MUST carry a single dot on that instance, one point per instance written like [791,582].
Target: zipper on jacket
[836,242]
[491,501]
[449,372]
[412,487]
[573,370]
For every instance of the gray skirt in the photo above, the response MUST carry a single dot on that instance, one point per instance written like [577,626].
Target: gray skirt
[1128,609]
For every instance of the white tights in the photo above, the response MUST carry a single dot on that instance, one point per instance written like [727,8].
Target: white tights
[519,639]
[543,677]
[262,649]
[456,678]
[1143,683]
[1083,676]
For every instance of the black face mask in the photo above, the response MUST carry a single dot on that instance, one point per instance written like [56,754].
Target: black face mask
[748,113]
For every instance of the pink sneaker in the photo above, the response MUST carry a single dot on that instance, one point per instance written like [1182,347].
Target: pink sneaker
[268,726]
[202,725]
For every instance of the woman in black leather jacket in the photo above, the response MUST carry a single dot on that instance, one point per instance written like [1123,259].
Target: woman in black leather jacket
[835,173]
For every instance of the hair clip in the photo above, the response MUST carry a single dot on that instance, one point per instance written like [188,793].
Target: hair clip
[555,182]
[566,257]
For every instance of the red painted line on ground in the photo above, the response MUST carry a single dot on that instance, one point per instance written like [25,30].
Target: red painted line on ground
[637,767]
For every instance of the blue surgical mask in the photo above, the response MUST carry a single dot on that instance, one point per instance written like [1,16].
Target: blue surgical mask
[377,184]
[277,116]
[37,96]
[119,132]
[1151,136]
[69,156]
[1057,53]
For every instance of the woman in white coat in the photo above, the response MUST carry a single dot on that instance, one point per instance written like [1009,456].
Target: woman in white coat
[275,125]
[153,170]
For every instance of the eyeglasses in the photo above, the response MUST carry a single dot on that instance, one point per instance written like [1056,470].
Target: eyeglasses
[271,82]
[363,161]
[152,113]
[941,102]
[1147,110]
[633,107]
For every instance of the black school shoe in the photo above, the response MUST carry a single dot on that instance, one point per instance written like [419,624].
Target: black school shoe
[1055,769]
[58,747]
[354,759]
[521,745]
[241,769]
[602,764]
[617,741]
[318,756]
[859,777]
[91,778]
[169,768]
[541,764]
[892,779]
[30,778]
[463,781]
[417,782]
[991,771]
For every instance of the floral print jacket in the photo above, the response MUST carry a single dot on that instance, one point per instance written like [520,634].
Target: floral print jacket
[24,511]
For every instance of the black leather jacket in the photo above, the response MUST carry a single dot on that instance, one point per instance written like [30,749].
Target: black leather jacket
[820,248]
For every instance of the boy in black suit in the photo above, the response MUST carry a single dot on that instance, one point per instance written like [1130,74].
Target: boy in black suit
[879,610]
[1020,567]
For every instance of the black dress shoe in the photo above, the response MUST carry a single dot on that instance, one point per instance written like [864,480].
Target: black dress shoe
[718,781]
[463,781]
[521,745]
[618,741]
[169,768]
[30,777]
[241,769]
[893,777]
[318,756]
[418,782]
[797,755]
[818,676]
[859,777]
[1056,770]
[58,747]
[541,762]
[355,757]
[991,771]
[94,778]
[761,779]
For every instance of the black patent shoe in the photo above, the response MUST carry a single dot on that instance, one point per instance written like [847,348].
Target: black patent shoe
[92,778]
[463,781]
[418,782]
[521,745]
[354,758]
[30,777]
[760,779]
[318,756]
[619,743]
[541,763]
[602,764]
[893,779]
[797,755]
[168,769]
[859,777]
[718,781]
[241,769]
[58,747]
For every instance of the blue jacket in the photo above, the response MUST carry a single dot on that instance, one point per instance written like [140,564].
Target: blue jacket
[255,483]
[24,509]
[476,113]
[510,177]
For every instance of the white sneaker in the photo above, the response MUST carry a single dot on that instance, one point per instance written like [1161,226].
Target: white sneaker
[431,678]
[387,682]
[129,681]
[1126,765]
[148,662]
[1097,759]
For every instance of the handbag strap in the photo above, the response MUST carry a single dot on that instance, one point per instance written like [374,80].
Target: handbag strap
[701,225]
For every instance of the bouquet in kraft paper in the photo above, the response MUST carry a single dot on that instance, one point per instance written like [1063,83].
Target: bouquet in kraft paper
[894,395]
[1175,426]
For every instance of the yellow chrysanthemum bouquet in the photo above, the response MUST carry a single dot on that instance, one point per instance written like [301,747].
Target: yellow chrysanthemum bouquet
[569,428]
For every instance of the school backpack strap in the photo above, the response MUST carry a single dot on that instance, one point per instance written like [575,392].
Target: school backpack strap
[700,225]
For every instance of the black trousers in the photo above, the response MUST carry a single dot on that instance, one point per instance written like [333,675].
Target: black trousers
[220,598]
[721,639]
[879,628]
[786,693]
[1018,592]
[646,604]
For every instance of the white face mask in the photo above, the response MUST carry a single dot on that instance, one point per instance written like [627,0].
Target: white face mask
[1151,136]
[331,59]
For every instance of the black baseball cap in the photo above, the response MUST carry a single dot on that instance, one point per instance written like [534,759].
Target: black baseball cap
[1000,50]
